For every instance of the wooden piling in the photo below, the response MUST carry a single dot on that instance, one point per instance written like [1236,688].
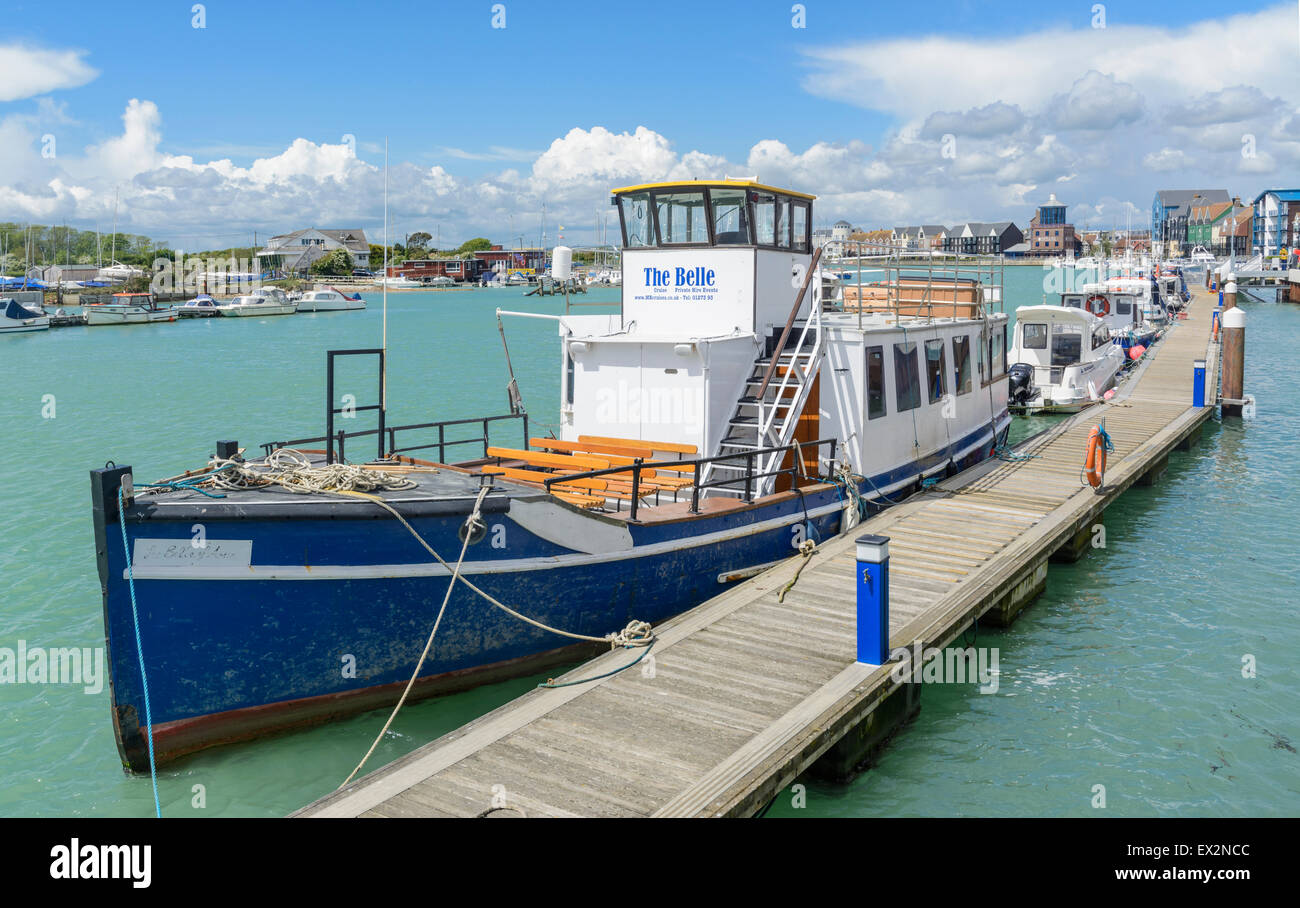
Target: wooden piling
[1230,292]
[1234,359]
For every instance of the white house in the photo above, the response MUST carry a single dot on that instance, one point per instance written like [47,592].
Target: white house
[294,252]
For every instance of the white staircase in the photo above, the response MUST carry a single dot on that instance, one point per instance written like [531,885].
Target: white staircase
[767,413]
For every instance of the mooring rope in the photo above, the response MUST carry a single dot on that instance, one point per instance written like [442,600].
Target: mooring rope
[473,524]
[139,650]
[806,549]
[294,471]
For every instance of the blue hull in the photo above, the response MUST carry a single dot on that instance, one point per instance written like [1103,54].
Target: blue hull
[329,613]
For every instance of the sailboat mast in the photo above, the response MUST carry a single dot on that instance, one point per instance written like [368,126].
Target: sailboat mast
[384,339]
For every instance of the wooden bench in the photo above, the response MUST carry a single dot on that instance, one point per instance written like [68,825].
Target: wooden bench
[580,447]
[669,446]
[542,459]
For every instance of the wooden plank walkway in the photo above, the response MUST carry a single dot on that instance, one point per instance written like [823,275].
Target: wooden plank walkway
[746,692]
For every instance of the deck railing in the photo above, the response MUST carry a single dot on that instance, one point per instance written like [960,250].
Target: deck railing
[796,470]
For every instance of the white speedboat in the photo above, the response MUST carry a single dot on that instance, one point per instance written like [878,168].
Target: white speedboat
[440,280]
[129,309]
[20,319]
[258,304]
[202,306]
[117,273]
[329,301]
[1062,360]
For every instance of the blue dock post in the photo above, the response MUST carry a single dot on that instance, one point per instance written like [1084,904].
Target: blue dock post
[873,599]
[1198,383]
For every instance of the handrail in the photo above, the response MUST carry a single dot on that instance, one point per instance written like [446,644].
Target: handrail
[789,322]
[391,431]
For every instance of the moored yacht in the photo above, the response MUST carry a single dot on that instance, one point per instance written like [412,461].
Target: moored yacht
[267,301]
[129,309]
[1062,360]
[329,301]
[15,318]
[721,417]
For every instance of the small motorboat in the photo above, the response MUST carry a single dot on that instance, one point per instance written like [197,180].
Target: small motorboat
[398,283]
[20,319]
[129,309]
[268,301]
[1062,360]
[329,301]
[202,306]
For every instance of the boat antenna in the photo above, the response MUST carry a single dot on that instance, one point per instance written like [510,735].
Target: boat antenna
[383,378]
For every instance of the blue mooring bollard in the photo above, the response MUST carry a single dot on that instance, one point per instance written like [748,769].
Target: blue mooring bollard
[1198,383]
[873,599]
[1220,299]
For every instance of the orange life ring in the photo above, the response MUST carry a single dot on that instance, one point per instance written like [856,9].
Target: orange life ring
[1095,466]
[1102,306]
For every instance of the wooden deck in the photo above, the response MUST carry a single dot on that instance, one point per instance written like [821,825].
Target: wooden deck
[746,693]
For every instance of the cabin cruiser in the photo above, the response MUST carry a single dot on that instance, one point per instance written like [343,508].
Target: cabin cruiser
[267,301]
[1062,360]
[1144,291]
[15,318]
[722,419]
[202,306]
[329,301]
[1121,313]
[129,309]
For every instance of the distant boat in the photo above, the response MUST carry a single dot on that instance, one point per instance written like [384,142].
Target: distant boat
[202,306]
[261,303]
[329,301]
[398,283]
[441,280]
[117,273]
[18,319]
[129,309]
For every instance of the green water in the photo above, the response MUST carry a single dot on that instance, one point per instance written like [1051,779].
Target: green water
[1125,673]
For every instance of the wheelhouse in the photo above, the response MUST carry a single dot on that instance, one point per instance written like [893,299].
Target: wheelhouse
[714,213]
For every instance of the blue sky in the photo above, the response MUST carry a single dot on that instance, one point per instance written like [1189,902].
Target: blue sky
[479,119]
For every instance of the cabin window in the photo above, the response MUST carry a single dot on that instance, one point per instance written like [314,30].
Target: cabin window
[875,382]
[681,218]
[1123,307]
[634,212]
[934,369]
[1033,337]
[569,370]
[1074,302]
[961,363]
[764,207]
[783,223]
[998,352]
[730,221]
[1100,337]
[907,378]
[799,226]
[1067,345]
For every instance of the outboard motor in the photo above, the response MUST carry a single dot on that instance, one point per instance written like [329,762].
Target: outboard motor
[1020,378]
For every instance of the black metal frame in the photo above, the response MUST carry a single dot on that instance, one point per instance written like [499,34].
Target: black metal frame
[637,466]
[330,409]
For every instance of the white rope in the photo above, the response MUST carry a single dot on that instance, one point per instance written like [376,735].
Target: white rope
[294,471]
[472,526]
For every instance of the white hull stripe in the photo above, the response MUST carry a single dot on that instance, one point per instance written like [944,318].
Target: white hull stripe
[503,566]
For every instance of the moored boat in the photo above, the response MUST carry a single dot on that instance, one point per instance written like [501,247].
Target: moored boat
[15,318]
[1062,360]
[269,301]
[715,424]
[129,309]
[202,306]
[329,301]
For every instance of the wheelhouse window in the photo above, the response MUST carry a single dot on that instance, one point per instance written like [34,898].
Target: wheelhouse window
[1074,302]
[961,363]
[682,218]
[638,225]
[783,223]
[730,217]
[1123,307]
[934,369]
[875,382]
[907,379]
[799,240]
[1033,336]
[764,205]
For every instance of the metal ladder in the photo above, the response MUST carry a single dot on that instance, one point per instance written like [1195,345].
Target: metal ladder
[767,413]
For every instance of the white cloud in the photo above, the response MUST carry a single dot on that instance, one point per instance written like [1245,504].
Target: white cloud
[29,71]
[1096,101]
[996,119]
[1165,160]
